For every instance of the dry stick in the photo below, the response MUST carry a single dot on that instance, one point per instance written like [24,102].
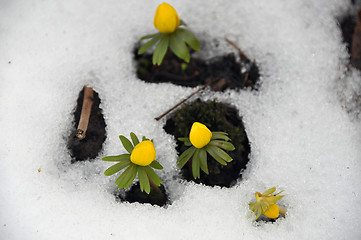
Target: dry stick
[245,80]
[243,55]
[181,102]
[85,112]
[238,49]
[356,43]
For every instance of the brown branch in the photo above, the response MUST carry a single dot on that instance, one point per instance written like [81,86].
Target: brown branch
[85,112]
[238,49]
[184,100]
[245,80]
[356,44]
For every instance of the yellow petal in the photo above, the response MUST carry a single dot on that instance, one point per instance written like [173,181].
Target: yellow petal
[273,211]
[200,135]
[272,199]
[269,191]
[166,19]
[143,153]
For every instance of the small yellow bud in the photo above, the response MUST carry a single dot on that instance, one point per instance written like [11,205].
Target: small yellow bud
[166,19]
[273,211]
[200,135]
[143,153]
[266,204]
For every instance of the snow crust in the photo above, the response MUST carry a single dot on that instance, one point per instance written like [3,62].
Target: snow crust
[303,128]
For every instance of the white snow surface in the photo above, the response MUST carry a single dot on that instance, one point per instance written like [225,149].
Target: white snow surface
[302,138]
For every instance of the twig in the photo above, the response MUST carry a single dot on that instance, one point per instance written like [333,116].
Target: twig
[356,43]
[238,49]
[245,79]
[85,112]
[181,102]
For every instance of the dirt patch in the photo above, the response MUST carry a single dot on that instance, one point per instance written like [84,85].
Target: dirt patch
[350,25]
[347,24]
[217,117]
[89,147]
[230,73]
[134,194]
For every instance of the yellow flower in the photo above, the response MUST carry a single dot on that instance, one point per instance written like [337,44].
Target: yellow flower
[143,153]
[166,19]
[273,211]
[266,204]
[200,135]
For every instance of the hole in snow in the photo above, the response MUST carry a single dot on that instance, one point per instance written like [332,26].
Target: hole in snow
[89,147]
[230,73]
[217,117]
[135,195]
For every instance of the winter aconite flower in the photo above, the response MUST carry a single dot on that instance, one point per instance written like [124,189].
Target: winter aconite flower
[202,141]
[139,159]
[166,18]
[199,135]
[266,204]
[143,153]
[170,35]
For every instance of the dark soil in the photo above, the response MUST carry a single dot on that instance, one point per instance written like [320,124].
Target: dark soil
[351,33]
[217,117]
[347,24]
[89,147]
[225,69]
[135,195]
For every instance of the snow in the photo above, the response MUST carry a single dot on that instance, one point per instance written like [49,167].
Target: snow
[303,124]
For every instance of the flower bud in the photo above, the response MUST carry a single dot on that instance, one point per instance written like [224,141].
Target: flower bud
[143,153]
[166,19]
[273,211]
[200,135]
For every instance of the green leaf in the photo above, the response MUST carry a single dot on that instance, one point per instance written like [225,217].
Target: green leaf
[117,167]
[155,164]
[149,36]
[181,22]
[220,135]
[161,50]
[223,155]
[153,176]
[190,39]
[218,154]
[132,176]
[186,141]
[118,158]
[134,138]
[213,152]
[143,179]
[179,47]
[203,160]
[185,156]
[183,139]
[126,143]
[196,164]
[222,144]
[126,176]
[149,44]
[129,175]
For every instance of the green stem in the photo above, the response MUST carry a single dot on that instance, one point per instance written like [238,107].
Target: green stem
[154,186]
